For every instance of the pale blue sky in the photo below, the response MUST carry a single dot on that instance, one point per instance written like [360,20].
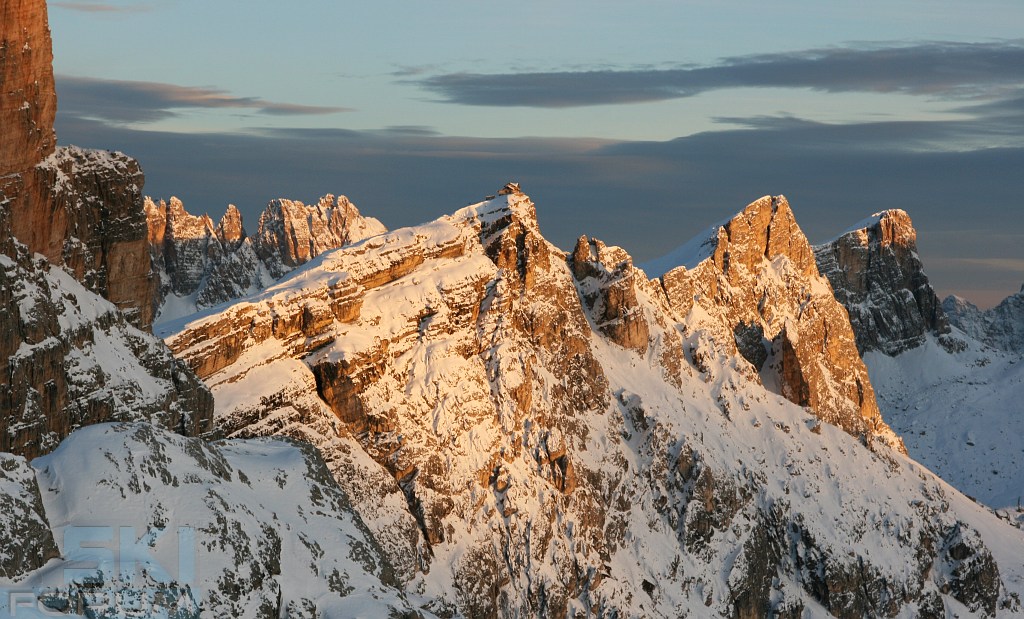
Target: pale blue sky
[590,104]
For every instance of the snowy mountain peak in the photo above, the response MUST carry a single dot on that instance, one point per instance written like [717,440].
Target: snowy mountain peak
[877,275]
[527,431]
[758,294]
[230,231]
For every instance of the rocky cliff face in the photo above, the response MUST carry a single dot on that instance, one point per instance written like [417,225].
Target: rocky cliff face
[69,358]
[530,432]
[755,278]
[94,225]
[82,209]
[876,274]
[79,208]
[27,539]
[200,265]
[1001,327]
[28,99]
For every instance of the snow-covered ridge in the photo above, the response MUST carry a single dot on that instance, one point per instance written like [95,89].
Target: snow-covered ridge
[253,528]
[688,255]
[760,286]
[526,431]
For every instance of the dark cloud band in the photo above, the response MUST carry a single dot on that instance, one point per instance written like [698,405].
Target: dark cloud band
[946,69]
[140,102]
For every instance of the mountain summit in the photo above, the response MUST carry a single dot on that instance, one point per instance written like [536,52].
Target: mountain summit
[198,265]
[872,268]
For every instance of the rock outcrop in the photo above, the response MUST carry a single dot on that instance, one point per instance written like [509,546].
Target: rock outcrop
[79,208]
[199,265]
[69,358]
[27,540]
[94,225]
[755,277]
[1000,327]
[517,448]
[877,275]
[606,279]
[290,233]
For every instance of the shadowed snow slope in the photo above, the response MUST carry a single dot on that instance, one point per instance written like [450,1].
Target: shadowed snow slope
[253,528]
[961,412]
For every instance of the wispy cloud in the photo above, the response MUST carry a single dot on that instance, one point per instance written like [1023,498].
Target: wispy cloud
[120,101]
[939,69]
[95,7]
[413,70]
[1012,265]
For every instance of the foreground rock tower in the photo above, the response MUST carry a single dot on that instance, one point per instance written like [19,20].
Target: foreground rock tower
[29,100]
[91,221]
[82,210]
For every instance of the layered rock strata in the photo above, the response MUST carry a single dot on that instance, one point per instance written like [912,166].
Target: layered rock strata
[875,272]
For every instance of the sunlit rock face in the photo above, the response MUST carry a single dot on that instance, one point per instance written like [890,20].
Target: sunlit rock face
[28,99]
[198,264]
[529,431]
[877,275]
[754,277]
[79,208]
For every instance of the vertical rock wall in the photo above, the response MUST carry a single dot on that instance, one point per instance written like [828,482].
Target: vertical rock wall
[28,100]
[877,275]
